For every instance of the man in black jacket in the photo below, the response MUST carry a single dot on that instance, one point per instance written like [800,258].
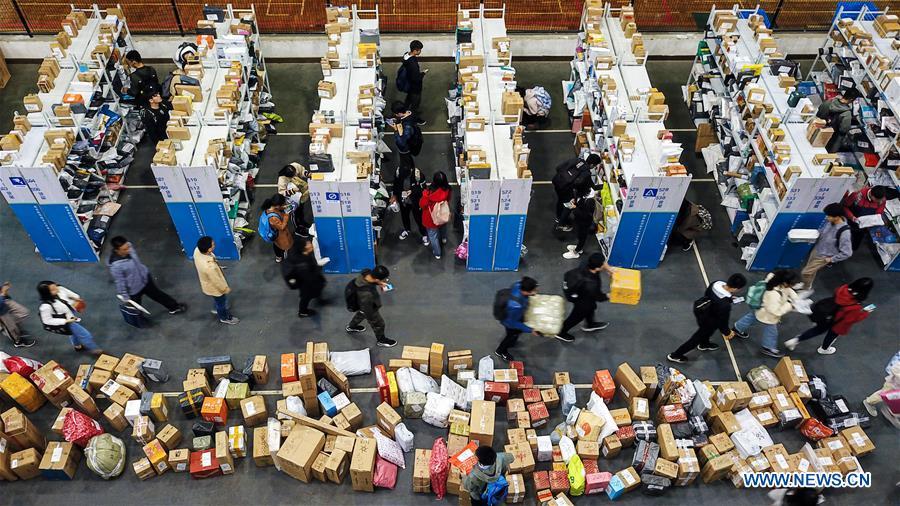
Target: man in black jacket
[584,287]
[712,311]
[302,272]
[156,118]
[143,80]
[368,303]
[414,78]
[572,180]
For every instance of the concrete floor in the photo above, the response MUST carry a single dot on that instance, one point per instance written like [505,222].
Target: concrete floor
[434,301]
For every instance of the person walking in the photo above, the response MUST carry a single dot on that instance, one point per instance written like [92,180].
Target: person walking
[410,78]
[212,279]
[867,201]
[143,81]
[514,302]
[279,231]
[583,287]
[587,211]
[833,245]
[58,315]
[891,382]
[293,184]
[408,136]
[435,207]
[713,312]
[406,191]
[572,180]
[362,298]
[302,272]
[777,301]
[134,280]
[12,314]
[835,315]
[489,468]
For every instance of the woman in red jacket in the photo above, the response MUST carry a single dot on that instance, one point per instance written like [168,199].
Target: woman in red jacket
[848,299]
[436,211]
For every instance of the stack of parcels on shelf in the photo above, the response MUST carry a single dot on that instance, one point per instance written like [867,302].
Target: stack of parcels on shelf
[818,133]
[511,104]
[763,35]
[464,20]
[331,120]
[724,22]
[469,59]
[166,153]
[218,151]
[366,99]
[637,47]
[608,87]
[593,24]
[521,153]
[182,105]
[13,140]
[338,22]
[176,129]
[228,95]
[670,154]
[887,25]
[627,145]
[363,156]
[60,141]
[627,21]
[47,74]
[503,47]
[327,89]
[657,110]
[469,95]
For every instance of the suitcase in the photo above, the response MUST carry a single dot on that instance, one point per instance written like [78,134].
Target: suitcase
[133,316]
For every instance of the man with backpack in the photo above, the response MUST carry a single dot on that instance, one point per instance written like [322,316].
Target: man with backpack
[486,483]
[833,245]
[588,212]
[712,312]
[572,180]
[362,298]
[408,137]
[510,305]
[409,79]
[583,287]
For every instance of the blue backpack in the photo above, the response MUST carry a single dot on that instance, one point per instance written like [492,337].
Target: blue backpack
[495,492]
[265,230]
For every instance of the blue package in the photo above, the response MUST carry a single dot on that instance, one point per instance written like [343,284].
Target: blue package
[615,489]
[327,404]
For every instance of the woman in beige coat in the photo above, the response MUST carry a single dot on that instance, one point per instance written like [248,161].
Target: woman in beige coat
[212,279]
[777,301]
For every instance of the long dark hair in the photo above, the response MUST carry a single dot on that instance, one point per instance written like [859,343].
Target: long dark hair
[780,277]
[439,181]
[287,171]
[274,201]
[43,290]
[860,288]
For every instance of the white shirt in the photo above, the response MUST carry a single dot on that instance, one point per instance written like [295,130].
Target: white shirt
[50,311]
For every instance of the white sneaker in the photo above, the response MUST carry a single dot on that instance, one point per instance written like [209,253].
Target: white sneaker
[437,257]
[827,351]
[404,235]
[571,255]
[324,261]
[870,408]
[571,247]
[232,321]
[425,241]
[791,343]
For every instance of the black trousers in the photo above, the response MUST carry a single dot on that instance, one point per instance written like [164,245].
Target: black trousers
[819,329]
[583,310]
[856,235]
[701,336]
[512,336]
[153,291]
[278,251]
[305,298]
[405,211]
[412,103]
[583,230]
[562,212]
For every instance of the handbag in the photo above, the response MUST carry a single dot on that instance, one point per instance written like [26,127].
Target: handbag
[64,330]
[79,306]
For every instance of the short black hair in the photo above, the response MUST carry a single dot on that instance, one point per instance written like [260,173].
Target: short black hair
[878,192]
[528,284]
[399,107]
[593,159]
[118,241]
[834,210]
[737,281]
[486,455]
[415,45]
[204,244]
[851,94]
[133,55]
[596,260]
[380,272]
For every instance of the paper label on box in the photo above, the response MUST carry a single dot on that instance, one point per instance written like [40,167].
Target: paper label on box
[161,466]
[605,450]
[225,468]
[842,405]
[624,391]
[57,454]
[803,466]
[180,467]
[206,459]
[2,445]
[798,371]
[59,374]
[835,445]
[781,460]
[15,463]
[423,368]
[642,405]
[826,461]
[782,400]
[251,408]
[764,416]
[629,479]
[858,440]
[32,108]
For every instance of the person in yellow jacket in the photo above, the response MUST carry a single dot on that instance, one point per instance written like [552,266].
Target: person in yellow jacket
[777,301]
[212,279]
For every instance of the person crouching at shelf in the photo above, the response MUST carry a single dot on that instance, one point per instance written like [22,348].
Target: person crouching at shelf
[838,112]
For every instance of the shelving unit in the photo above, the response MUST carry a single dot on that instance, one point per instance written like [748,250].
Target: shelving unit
[856,54]
[349,201]
[765,164]
[65,205]
[492,157]
[619,114]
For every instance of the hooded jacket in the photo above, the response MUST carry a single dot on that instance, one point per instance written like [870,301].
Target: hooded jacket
[849,313]
[719,311]
[367,295]
[840,117]
[427,202]
[212,279]
[515,309]
[302,272]
[130,275]
[413,74]
[775,304]
[477,480]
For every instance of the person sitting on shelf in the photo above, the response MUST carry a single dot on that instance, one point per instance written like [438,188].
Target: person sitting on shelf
[838,112]
[155,118]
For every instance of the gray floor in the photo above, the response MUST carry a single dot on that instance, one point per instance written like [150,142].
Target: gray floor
[434,301]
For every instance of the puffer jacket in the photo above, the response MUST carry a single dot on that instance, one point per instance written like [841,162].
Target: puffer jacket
[849,313]
[427,202]
[775,304]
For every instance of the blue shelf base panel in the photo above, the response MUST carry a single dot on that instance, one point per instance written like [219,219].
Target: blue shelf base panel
[41,233]
[641,239]
[510,234]
[360,242]
[482,241]
[776,251]
[215,223]
[854,9]
[186,219]
[330,234]
[68,230]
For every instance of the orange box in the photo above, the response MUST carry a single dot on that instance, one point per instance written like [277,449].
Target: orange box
[288,367]
[603,385]
[214,410]
[73,98]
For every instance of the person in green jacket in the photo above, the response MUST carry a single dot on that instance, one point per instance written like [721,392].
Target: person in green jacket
[838,112]
[491,465]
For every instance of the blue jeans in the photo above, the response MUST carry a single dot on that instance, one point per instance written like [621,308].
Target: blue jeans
[81,337]
[770,330]
[434,236]
[221,305]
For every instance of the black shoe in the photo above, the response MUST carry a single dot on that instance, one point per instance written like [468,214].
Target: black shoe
[386,343]
[708,347]
[772,352]
[24,342]
[180,309]
[676,359]
[355,328]
[307,313]
[593,327]
[504,355]
[566,338]
[742,335]
[688,247]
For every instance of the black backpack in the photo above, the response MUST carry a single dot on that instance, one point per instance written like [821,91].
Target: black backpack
[402,79]
[702,305]
[837,236]
[571,283]
[571,176]
[501,300]
[823,311]
[351,297]
[416,140]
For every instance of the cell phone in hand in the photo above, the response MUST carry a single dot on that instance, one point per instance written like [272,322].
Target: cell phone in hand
[870,308]
[737,300]
[387,287]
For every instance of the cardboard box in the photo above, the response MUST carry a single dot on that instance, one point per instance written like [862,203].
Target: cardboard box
[588,449]
[214,410]
[588,425]
[603,385]
[666,440]
[143,430]
[362,465]
[611,446]
[716,469]
[639,409]
[436,360]
[298,452]
[169,436]
[625,287]
[857,440]
[387,418]
[481,425]
[419,355]
[254,410]
[789,374]
[25,464]
[18,428]
[60,461]
[621,417]
[260,370]
[262,456]
[115,415]
[630,384]
[421,482]
[538,414]
[143,469]
[179,460]
[157,455]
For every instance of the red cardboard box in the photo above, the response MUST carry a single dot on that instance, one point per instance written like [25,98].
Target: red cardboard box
[538,413]
[288,367]
[671,413]
[519,366]
[204,464]
[526,382]
[214,410]
[603,385]
[384,386]
[541,480]
[497,392]
[531,395]
[626,436]
[590,466]
[559,481]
